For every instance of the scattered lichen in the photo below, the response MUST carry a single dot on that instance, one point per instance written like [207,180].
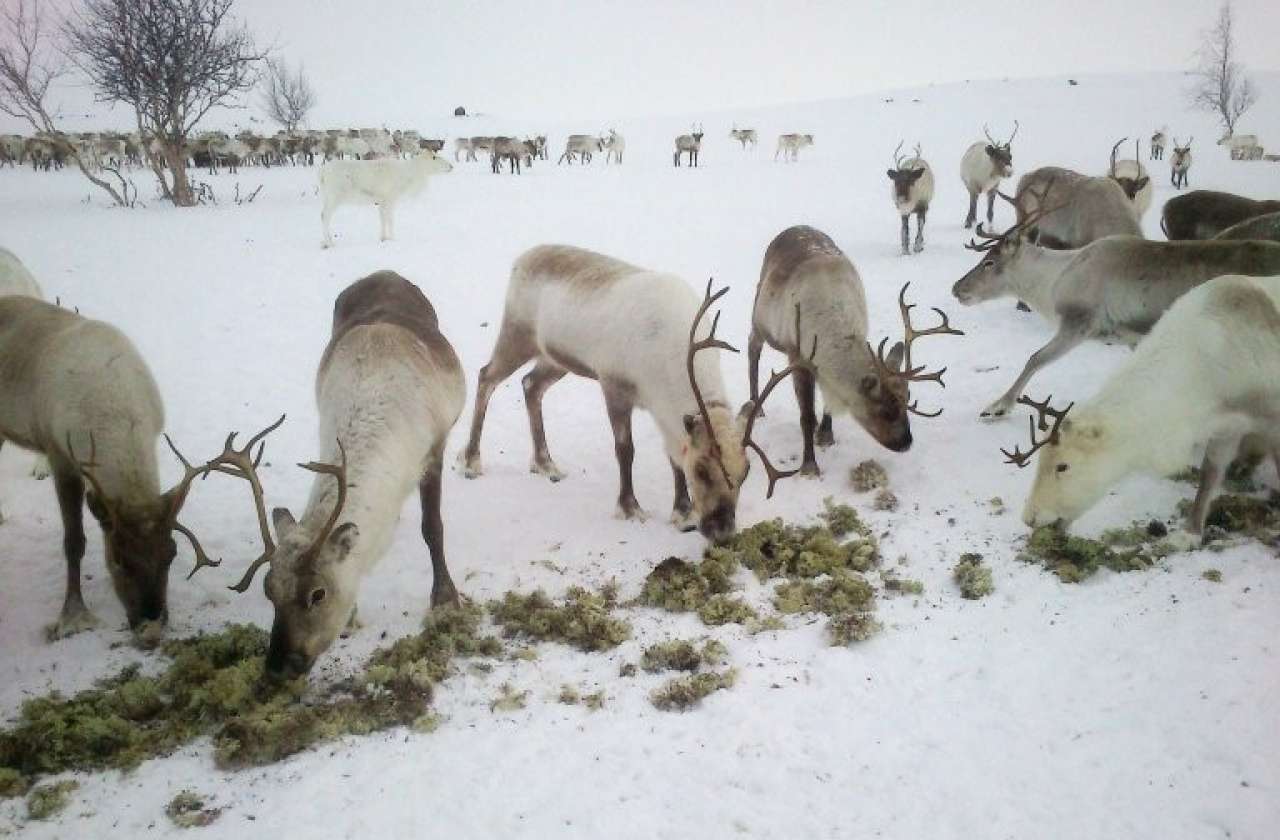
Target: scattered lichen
[45,801]
[997,506]
[774,549]
[583,620]
[841,519]
[188,810]
[973,577]
[676,585]
[1074,559]
[1248,515]
[903,586]
[1212,575]
[868,476]
[681,655]
[885,500]
[844,596]
[686,692]
[570,696]
[726,609]
[508,699]
[12,783]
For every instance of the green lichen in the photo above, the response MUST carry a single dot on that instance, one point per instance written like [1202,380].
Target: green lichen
[676,585]
[12,783]
[189,810]
[1247,515]
[774,549]
[1212,575]
[973,577]
[868,476]
[682,655]
[583,620]
[726,609]
[1074,559]
[45,801]
[885,500]
[684,693]
[841,519]
[571,696]
[902,586]
[508,699]
[844,596]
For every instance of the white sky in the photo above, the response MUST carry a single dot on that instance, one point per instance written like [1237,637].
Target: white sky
[397,61]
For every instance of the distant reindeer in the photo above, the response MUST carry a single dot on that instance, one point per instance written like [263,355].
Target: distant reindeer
[389,389]
[581,145]
[513,151]
[690,144]
[912,191]
[1203,214]
[982,168]
[640,334]
[379,182]
[540,146]
[1132,177]
[78,391]
[805,272]
[1158,141]
[745,136]
[461,146]
[1241,146]
[789,145]
[1180,163]
[1204,377]
[1114,289]
[615,144]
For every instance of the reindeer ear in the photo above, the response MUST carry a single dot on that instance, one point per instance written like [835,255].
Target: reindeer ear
[284,522]
[690,423]
[743,414]
[895,357]
[892,173]
[1141,183]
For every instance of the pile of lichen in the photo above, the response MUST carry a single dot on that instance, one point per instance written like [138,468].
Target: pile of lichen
[190,810]
[676,585]
[1074,558]
[214,686]
[1248,515]
[44,801]
[584,620]
[682,655]
[683,693]
[973,577]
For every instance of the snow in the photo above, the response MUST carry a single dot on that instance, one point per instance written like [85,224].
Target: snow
[1137,705]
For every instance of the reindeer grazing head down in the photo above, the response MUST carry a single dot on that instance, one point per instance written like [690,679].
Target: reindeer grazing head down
[904,175]
[1001,154]
[1134,180]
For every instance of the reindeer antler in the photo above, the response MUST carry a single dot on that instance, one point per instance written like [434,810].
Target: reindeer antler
[775,475]
[1043,410]
[85,468]
[897,158]
[909,373]
[339,472]
[710,342]
[1114,149]
[1009,142]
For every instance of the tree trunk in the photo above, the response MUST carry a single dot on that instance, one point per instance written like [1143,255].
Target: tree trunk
[176,161]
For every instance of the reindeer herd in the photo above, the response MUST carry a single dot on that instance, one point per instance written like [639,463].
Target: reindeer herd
[1202,311]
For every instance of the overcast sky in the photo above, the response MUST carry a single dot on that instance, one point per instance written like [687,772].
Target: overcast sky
[396,61]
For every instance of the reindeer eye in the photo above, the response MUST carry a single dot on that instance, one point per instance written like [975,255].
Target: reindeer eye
[317,595]
[1063,467]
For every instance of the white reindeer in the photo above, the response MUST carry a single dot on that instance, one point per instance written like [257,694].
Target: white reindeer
[912,192]
[614,144]
[638,333]
[1180,163]
[378,182]
[745,136]
[1158,142]
[389,389]
[810,305]
[689,144]
[15,279]
[1132,177]
[789,145]
[1205,376]
[1241,146]
[581,147]
[982,168]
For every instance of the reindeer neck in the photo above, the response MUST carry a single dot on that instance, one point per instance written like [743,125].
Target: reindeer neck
[125,466]
[1036,271]
[1134,410]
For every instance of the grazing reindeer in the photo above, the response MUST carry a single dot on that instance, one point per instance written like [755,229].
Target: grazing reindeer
[982,168]
[581,145]
[1205,376]
[1180,163]
[389,389]
[463,145]
[804,271]
[745,136]
[1114,289]
[615,144]
[78,391]
[1203,214]
[912,191]
[1087,208]
[540,146]
[789,146]
[378,182]
[576,311]
[1158,141]
[513,151]
[690,144]
[1132,177]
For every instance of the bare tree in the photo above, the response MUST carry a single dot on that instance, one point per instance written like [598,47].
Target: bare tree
[172,61]
[1221,85]
[29,65]
[288,95]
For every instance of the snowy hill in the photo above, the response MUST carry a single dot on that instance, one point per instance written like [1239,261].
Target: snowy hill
[1130,706]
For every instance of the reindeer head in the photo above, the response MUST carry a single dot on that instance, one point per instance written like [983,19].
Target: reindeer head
[1181,154]
[1134,183]
[1002,253]
[904,175]
[1069,479]
[431,162]
[1001,154]
[696,133]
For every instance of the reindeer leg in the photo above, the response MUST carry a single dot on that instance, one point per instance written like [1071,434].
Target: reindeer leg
[75,616]
[826,435]
[513,349]
[1217,455]
[682,510]
[619,401]
[443,592]
[973,210]
[326,213]
[1071,333]
[803,382]
[755,343]
[536,382]
[920,214]
[384,219]
[991,205]
[906,235]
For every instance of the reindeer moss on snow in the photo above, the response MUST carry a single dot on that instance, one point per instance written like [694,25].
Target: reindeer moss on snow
[583,620]
[45,801]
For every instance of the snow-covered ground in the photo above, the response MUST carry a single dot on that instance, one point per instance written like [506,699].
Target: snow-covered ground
[1138,705]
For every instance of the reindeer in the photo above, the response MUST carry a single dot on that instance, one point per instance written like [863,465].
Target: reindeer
[1114,289]
[513,151]
[380,182]
[540,146]
[1203,214]
[461,145]
[15,279]
[1086,208]
[804,271]
[1205,376]
[1132,177]
[1239,144]
[389,389]
[581,145]
[77,391]
[789,145]
[1158,141]
[1180,163]
[615,144]
[1259,227]
[640,334]
[745,136]
[690,144]
[912,191]
[982,168]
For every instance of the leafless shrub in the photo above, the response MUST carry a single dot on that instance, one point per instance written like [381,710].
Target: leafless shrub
[1221,85]
[287,95]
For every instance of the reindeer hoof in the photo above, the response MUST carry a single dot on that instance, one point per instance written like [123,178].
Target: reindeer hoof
[547,468]
[994,411]
[471,467]
[40,469]
[810,470]
[445,595]
[70,623]
[632,512]
[684,521]
[919,246]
